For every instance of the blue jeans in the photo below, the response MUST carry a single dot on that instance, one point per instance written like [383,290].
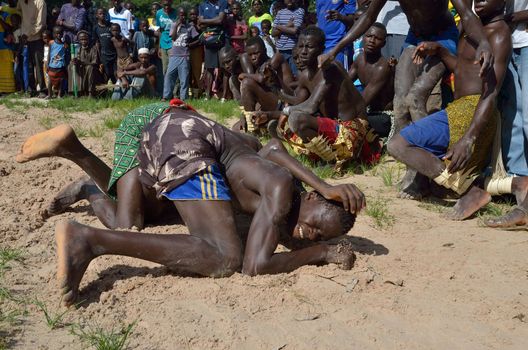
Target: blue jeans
[514,123]
[287,54]
[178,67]
[520,60]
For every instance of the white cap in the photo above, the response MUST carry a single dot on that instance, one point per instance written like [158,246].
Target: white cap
[143,51]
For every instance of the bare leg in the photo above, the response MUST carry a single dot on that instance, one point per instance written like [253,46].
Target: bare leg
[431,72]
[212,249]
[304,125]
[251,93]
[406,72]
[518,216]
[429,165]
[61,141]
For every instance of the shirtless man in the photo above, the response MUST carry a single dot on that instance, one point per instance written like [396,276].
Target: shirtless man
[254,89]
[376,74]
[331,124]
[429,21]
[190,177]
[230,61]
[452,146]
[122,46]
[137,78]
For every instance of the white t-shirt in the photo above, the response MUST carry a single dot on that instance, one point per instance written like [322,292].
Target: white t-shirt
[520,35]
[392,17]
[124,19]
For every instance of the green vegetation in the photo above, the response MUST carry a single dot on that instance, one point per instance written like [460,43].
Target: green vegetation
[102,339]
[378,210]
[54,318]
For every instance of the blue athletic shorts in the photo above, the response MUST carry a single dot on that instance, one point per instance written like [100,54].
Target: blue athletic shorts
[430,133]
[207,185]
[448,39]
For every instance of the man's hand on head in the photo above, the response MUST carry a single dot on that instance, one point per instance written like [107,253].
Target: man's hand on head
[484,57]
[352,198]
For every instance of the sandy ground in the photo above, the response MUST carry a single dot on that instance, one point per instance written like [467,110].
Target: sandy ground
[424,283]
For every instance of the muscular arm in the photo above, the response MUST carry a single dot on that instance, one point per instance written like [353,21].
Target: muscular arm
[353,72]
[430,48]
[140,72]
[491,84]
[245,63]
[301,95]
[517,17]
[311,105]
[473,28]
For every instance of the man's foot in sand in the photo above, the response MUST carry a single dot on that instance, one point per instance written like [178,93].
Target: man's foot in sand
[520,188]
[69,195]
[467,205]
[74,255]
[53,142]
[517,218]
[413,186]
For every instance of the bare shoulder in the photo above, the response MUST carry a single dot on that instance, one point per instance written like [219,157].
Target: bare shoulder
[499,37]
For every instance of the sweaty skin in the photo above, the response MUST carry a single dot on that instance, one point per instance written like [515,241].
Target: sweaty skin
[213,247]
[467,82]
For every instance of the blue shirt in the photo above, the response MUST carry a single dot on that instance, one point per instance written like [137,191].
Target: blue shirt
[209,10]
[164,21]
[57,55]
[334,30]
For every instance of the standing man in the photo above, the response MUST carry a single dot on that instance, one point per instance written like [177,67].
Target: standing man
[120,15]
[286,28]
[393,18]
[212,15]
[164,19]
[334,18]
[31,28]
[72,17]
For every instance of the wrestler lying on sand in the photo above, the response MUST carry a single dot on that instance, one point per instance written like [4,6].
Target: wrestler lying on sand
[184,163]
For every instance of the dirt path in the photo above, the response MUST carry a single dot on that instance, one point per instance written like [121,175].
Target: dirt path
[425,283]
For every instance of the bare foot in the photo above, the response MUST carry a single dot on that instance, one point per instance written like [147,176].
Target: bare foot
[517,218]
[69,195]
[73,255]
[466,206]
[413,186]
[47,143]
[520,188]
[341,254]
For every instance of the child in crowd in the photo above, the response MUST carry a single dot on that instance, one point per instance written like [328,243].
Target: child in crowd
[269,41]
[103,41]
[144,38]
[57,62]
[46,38]
[196,55]
[122,47]
[254,32]
[83,69]
[237,27]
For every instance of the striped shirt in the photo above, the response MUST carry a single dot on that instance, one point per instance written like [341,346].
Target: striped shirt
[124,19]
[286,41]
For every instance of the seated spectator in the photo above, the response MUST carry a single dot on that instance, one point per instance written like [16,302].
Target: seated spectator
[121,16]
[179,68]
[286,29]
[376,75]
[83,71]
[58,52]
[71,18]
[238,30]
[230,62]
[137,79]
[103,41]
[258,15]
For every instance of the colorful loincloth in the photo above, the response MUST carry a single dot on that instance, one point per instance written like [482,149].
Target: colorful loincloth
[175,147]
[207,185]
[56,75]
[338,141]
[438,132]
[127,140]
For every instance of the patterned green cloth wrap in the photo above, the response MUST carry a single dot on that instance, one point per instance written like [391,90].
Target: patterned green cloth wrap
[127,140]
